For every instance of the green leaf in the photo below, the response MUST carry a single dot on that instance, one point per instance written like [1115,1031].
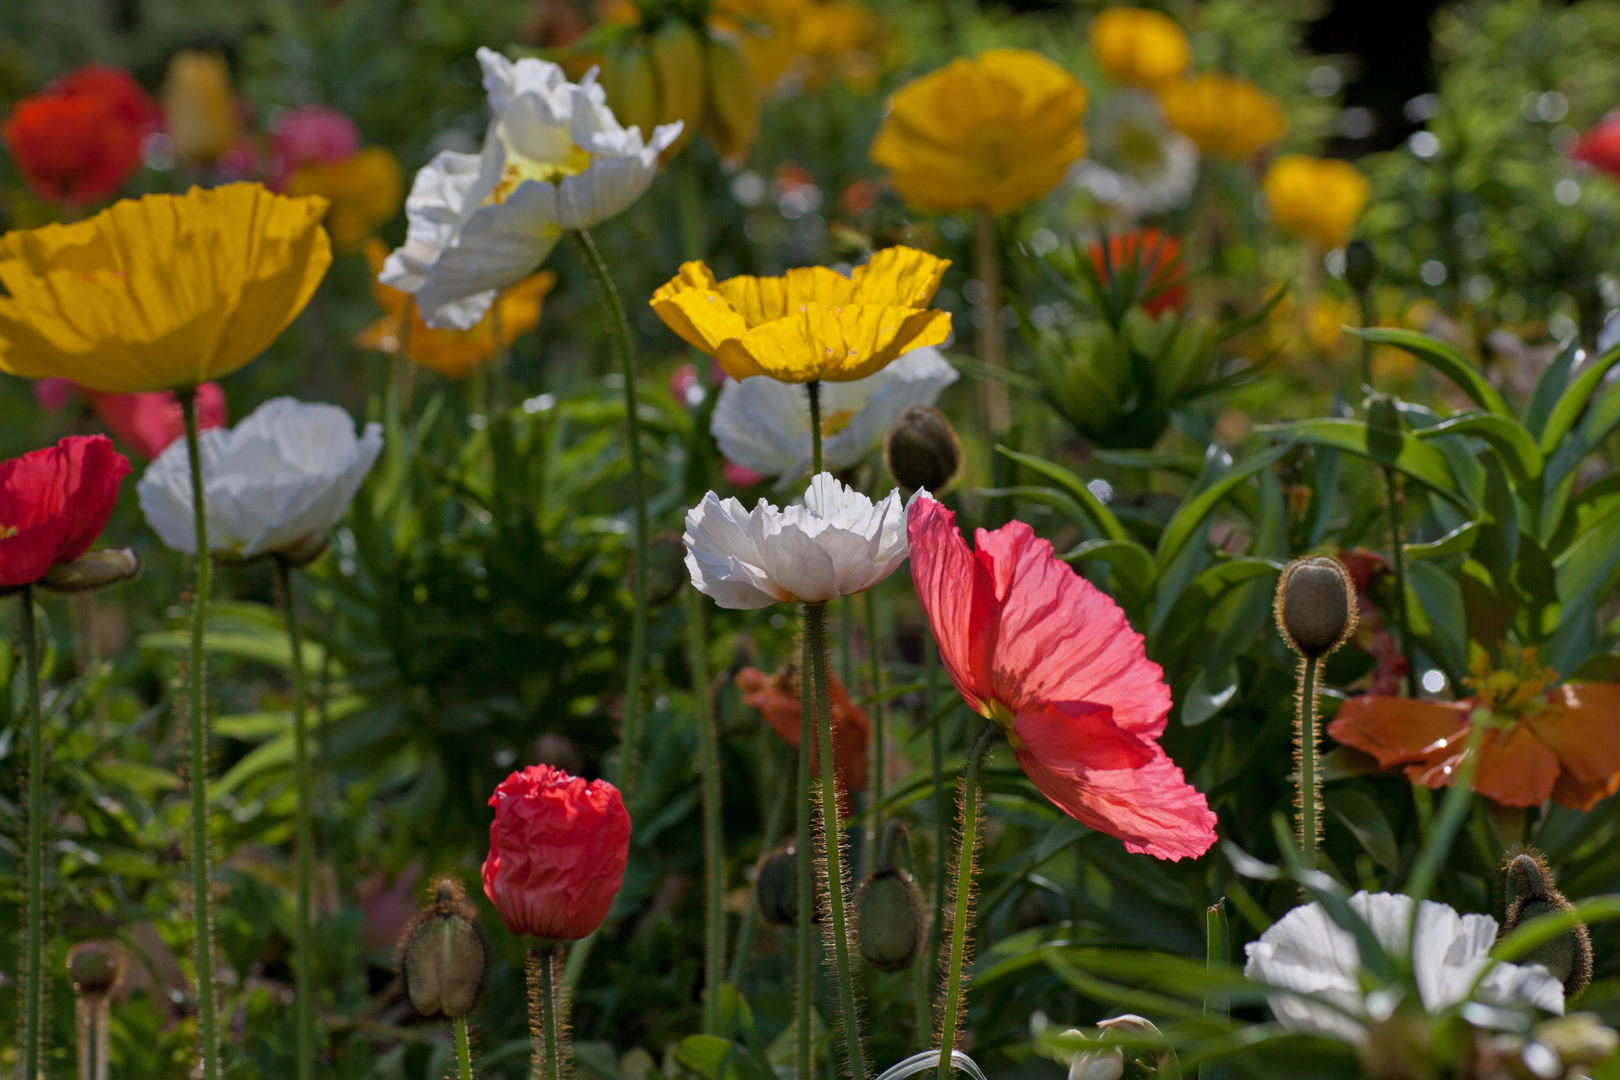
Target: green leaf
[1208,694]
[1362,815]
[145,780]
[1550,389]
[1444,358]
[1075,487]
[710,1056]
[1130,561]
[1576,398]
[1506,435]
[1435,606]
[1417,459]
[1193,511]
[1457,540]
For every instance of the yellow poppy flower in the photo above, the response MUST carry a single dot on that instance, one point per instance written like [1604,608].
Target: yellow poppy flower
[1139,47]
[365,190]
[160,292]
[199,107]
[1317,198]
[813,323]
[993,133]
[452,353]
[1226,115]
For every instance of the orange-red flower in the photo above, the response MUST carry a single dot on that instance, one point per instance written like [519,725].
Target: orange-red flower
[78,141]
[1154,257]
[777,699]
[1562,743]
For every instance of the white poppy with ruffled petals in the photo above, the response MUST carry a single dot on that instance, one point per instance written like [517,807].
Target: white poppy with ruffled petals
[836,543]
[554,159]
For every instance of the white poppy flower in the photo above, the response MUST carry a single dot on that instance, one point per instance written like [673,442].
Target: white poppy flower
[277,481]
[1103,1064]
[554,159]
[1307,952]
[764,425]
[1138,163]
[836,543]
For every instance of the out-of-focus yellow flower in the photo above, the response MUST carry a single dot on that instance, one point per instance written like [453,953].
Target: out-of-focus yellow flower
[452,353]
[365,190]
[160,292]
[841,38]
[199,107]
[1226,115]
[769,32]
[1317,198]
[992,133]
[684,72]
[1139,47]
[813,323]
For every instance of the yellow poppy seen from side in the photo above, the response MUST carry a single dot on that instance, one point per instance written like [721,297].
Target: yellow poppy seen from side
[992,133]
[1316,198]
[1227,116]
[159,292]
[365,190]
[199,106]
[452,353]
[812,323]
[1139,47]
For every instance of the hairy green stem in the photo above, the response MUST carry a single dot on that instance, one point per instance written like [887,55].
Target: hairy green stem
[773,826]
[964,900]
[463,1049]
[1397,555]
[804,973]
[304,840]
[202,902]
[1309,823]
[942,827]
[543,987]
[34,988]
[815,630]
[714,852]
[620,331]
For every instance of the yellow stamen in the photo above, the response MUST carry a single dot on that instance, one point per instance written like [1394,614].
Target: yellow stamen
[518,170]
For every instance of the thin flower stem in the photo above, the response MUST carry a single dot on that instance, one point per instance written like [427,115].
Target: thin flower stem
[543,986]
[1309,824]
[925,967]
[463,1049]
[93,1017]
[304,839]
[714,852]
[964,900]
[992,338]
[630,745]
[202,902]
[804,975]
[814,387]
[34,991]
[816,620]
[1397,556]
[773,826]
[876,657]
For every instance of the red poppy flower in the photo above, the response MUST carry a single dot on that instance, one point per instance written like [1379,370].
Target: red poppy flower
[79,140]
[150,421]
[1599,145]
[54,503]
[777,699]
[1161,282]
[557,850]
[1034,646]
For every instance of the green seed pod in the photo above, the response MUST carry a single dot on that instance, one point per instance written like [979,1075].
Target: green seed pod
[889,920]
[776,885]
[1316,605]
[95,967]
[921,449]
[93,570]
[1360,265]
[1531,891]
[443,954]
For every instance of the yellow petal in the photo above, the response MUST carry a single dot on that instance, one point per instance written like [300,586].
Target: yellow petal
[702,318]
[1317,198]
[1226,115]
[365,190]
[837,344]
[1138,46]
[899,277]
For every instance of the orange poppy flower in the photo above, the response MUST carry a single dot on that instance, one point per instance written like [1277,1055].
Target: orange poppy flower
[1563,743]
[777,699]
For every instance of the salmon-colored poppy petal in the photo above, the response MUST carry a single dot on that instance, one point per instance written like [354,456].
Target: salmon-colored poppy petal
[952,585]
[1581,724]
[1579,795]
[1398,730]
[1108,779]
[1514,769]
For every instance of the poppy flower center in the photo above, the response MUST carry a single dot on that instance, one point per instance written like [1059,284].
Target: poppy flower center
[7,531]
[520,170]
[1516,687]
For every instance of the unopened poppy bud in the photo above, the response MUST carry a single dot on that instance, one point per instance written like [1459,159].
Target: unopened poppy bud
[922,450]
[95,967]
[1316,605]
[1360,265]
[1100,1064]
[94,570]
[666,568]
[443,955]
[1531,891]
[889,920]
[776,886]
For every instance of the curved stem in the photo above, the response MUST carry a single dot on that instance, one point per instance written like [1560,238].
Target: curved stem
[463,1049]
[1397,557]
[805,973]
[714,855]
[34,989]
[620,331]
[816,619]
[964,900]
[203,913]
[814,387]
[304,839]
[1309,823]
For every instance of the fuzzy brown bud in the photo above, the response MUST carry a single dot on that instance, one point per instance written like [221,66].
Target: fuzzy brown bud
[95,967]
[443,954]
[93,570]
[889,922]
[1531,891]
[921,449]
[1316,605]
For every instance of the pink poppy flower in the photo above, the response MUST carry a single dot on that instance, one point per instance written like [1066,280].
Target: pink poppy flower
[149,422]
[1037,648]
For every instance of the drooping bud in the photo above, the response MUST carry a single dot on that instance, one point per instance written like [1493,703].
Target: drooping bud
[776,885]
[666,568]
[889,924]
[1316,605]
[95,967]
[1360,265]
[93,570]
[921,449]
[1531,891]
[443,955]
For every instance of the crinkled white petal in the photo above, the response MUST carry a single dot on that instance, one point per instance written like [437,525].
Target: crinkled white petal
[433,214]
[836,543]
[764,425]
[500,244]
[284,474]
